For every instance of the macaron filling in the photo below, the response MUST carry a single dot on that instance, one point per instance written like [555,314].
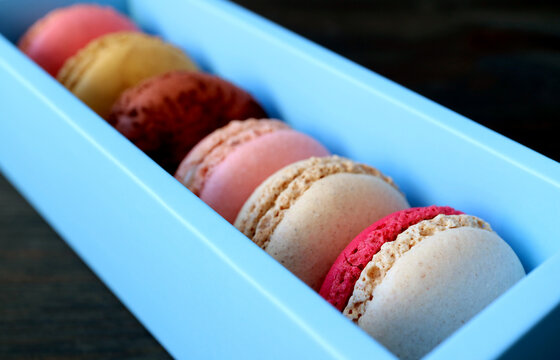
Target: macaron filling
[339,283]
[390,252]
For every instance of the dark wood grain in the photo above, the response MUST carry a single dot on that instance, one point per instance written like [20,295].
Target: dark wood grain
[497,62]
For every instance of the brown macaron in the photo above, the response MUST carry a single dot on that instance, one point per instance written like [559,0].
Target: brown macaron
[166,115]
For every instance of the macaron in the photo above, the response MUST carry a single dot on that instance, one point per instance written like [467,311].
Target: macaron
[414,277]
[166,115]
[227,165]
[61,33]
[110,64]
[305,214]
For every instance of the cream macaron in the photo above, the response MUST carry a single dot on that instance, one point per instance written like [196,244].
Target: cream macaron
[112,63]
[307,212]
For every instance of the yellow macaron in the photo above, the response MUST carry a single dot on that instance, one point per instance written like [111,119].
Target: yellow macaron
[101,71]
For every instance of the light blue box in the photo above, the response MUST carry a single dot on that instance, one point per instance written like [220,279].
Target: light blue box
[196,283]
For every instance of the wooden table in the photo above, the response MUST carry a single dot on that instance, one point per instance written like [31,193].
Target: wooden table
[498,65]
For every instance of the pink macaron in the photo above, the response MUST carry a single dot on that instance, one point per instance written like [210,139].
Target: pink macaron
[227,165]
[63,32]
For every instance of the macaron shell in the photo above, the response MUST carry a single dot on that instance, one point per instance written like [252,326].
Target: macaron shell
[99,73]
[200,162]
[376,269]
[326,218]
[266,206]
[63,32]
[236,177]
[441,283]
[347,268]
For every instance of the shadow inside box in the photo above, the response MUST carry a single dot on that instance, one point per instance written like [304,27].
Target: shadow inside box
[537,342]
